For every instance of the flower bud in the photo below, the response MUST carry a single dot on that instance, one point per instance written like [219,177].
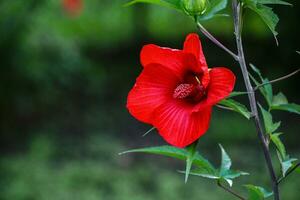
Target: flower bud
[194,7]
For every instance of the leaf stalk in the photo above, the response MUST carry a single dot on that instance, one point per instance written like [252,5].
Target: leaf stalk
[230,190]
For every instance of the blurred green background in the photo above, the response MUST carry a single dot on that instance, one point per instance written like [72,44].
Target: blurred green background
[64,82]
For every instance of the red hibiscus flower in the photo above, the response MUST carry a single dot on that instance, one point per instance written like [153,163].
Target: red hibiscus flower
[73,7]
[176,91]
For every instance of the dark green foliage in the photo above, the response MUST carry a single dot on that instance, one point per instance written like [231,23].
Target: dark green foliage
[257,193]
[236,106]
[212,10]
[265,12]
[223,173]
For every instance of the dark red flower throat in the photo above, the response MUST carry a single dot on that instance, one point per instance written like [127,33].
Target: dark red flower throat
[191,90]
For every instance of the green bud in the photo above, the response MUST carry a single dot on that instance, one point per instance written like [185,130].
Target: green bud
[194,7]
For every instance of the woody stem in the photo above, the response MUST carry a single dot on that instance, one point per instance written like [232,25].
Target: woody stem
[237,12]
[230,191]
[214,40]
[240,58]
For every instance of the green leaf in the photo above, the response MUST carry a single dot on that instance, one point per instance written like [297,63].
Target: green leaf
[280,102]
[225,161]
[229,181]
[266,90]
[169,151]
[223,173]
[212,10]
[257,193]
[256,70]
[274,2]
[290,107]
[287,164]
[204,175]
[190,158]
[268,121]
[279,99]
[167,3]
[236,93]
[232,174]
[236,106]
[279,145]
[266,14]
[214,7]
[179,153]
[203,164]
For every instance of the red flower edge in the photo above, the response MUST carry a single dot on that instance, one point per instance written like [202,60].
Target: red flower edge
[176,91]
[73,7]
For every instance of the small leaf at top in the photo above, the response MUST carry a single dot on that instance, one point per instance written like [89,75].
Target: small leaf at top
[257,193]
[236,106]
[266,14]
[167,3]
[268,121]
[214,7]
[274,2]
[212,10]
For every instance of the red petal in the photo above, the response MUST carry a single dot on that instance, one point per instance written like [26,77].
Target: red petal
[176,60]
[221,84]
[72,6]
[178,126]
[193,45]
[153,87]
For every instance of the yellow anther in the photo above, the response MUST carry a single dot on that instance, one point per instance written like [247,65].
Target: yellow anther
[197,79]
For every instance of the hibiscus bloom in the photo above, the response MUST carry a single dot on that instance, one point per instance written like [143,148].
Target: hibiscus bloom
[73,7]
[176,91]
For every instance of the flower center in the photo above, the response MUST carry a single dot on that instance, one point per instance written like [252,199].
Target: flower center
[192,91]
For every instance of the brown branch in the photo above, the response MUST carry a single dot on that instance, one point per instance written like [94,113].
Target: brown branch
[214,40]
[278,79]
[230,191]
[238,24]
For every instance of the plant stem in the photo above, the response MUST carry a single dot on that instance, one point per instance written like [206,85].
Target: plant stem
[230,191]
[278,79]
[237,11]
[214,40]
[238,23]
